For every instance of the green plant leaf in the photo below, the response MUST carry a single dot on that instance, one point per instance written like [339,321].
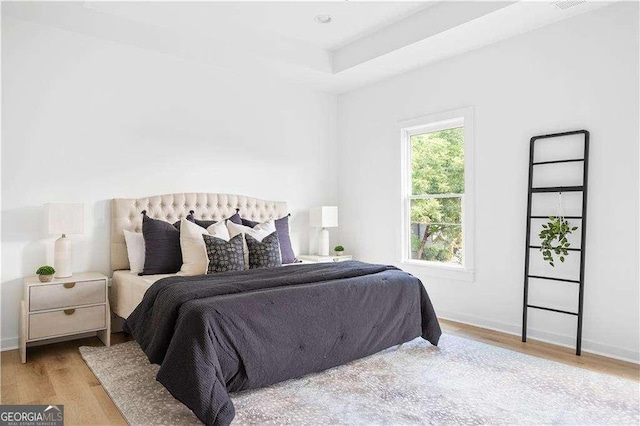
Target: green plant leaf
[46,270]
[553,239]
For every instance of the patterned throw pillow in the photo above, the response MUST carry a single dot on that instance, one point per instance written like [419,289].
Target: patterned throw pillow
[265,253]
[258,232]
[224,255]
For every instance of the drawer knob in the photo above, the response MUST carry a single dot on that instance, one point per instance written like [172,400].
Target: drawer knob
[69,311]
[69,285]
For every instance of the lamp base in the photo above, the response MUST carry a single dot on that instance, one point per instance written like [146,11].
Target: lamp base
[62,257]
[323,242]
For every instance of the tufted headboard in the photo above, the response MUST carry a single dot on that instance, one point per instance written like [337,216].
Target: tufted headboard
[125,214]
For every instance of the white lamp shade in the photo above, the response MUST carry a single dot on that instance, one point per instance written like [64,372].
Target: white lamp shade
[65,218]
[323,217]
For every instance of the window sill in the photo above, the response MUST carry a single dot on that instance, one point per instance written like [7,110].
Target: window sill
[435,269]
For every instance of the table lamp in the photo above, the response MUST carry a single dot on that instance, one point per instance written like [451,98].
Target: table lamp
[64,218]
[323,217]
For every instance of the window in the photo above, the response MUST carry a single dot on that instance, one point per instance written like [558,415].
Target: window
[437,188]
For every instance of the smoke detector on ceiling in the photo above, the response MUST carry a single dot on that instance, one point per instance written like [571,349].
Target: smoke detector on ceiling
[566,4]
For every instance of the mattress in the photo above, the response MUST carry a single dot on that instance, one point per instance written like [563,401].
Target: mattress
[128,289]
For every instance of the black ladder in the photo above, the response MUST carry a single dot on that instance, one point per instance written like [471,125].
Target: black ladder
[583,218]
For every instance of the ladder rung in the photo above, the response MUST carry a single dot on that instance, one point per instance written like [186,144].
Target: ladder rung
[568,249]
[554,279]
[552,310]
[558,189]
[557,135]
[547,217]
[572,160]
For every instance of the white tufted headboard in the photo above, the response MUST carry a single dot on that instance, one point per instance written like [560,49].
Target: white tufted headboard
[126,214]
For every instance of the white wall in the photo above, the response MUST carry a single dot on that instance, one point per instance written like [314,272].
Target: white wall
[88,120]
[580,73]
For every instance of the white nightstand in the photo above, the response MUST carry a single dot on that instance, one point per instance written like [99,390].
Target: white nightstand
[64,307]
[314,258]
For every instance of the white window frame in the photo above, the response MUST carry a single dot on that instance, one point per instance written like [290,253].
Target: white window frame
[427,124]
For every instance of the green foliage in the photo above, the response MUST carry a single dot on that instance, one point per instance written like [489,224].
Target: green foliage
[554,239]
[46,270]
[437,168]
[438,162]
[435,253]
[338,248]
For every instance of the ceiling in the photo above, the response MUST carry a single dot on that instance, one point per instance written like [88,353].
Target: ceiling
[294,20]
[365,42]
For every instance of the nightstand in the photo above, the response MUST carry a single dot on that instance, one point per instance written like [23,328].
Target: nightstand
[64,307]
[314,258]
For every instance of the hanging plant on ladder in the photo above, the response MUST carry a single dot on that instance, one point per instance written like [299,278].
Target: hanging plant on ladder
[554,236]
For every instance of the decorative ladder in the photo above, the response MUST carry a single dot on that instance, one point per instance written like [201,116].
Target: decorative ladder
[583,218]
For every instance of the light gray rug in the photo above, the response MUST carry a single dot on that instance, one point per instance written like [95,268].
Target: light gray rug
[460,382]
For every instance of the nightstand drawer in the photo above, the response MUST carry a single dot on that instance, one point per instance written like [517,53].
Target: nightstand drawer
[53,296]
[57,323]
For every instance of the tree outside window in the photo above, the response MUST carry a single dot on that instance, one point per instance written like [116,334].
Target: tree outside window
[437,191]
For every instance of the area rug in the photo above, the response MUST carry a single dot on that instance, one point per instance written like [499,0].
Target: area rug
[459,382]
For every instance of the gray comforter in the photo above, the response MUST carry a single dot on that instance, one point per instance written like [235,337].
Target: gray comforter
[227,332]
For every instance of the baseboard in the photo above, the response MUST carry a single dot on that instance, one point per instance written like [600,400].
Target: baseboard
[8,344]
[596,348]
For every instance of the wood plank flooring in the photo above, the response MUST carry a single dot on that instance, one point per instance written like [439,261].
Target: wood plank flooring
[56,374]
[549,351]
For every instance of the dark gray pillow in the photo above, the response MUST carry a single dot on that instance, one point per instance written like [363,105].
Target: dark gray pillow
[235,219]
[207,223]
[224,255]
[162,253]
[265,253]
[282,228]
[204,223]
[249,223]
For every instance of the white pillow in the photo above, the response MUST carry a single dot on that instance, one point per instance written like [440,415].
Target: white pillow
[135,250]
[258,232]
[194,251]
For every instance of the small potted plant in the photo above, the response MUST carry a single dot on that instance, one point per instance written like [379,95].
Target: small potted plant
[339,250]
[45,273]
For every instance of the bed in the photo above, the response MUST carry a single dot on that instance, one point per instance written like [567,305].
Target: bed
[231,331]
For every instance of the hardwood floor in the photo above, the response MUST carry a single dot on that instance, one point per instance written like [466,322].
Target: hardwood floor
[561,354]
[56,374]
